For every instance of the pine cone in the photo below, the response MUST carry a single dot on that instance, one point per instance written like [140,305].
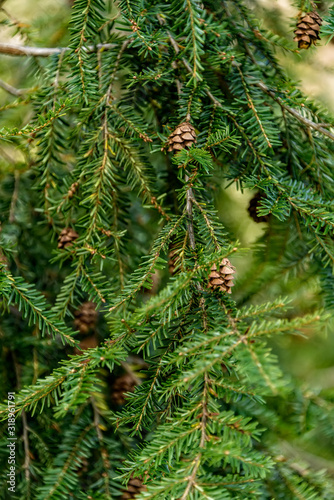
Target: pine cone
[184,136]
[124,383]
[253,208]
[85,318]
[66,237]
[222,278]
[87,343]
[72,189]
[307,32]
[134,487]
[172,258]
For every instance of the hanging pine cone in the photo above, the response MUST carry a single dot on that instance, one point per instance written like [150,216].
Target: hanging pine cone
[253,208]
[66,237]
[222,278]
[72,189]
[184,136]
[86,343]
[134,487]
[308,28]
[172,261]
[173,258]
[123,384]
[85,318]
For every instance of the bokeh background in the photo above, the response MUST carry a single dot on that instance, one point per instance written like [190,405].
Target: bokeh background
[45,23]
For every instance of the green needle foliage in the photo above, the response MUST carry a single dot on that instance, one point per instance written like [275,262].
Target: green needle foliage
[210,412]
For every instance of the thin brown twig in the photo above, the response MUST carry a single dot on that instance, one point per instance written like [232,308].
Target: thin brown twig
[251,105]
[189,207]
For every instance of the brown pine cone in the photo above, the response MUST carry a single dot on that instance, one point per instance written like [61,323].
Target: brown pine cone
[72,189]
[123,384]
[173,258]
[85,317]
[253,208]
[222,278]
[134,486]
[308,28]
[184,136]
[66,237]
[86,343]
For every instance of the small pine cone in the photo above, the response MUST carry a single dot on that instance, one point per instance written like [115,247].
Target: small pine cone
[173,258]
[172,261]
[72,189]
[66,237]
[123,384]
[184,136]
[253,208]
[134,487]
[222,278]
[86,343]
[85,318]
[308,28]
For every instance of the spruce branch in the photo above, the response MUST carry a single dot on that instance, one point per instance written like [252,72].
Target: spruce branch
[34,307]
[103,451]
[309,123]
[189,208]
[306,121]
[144,273]
[6,134]
[251,105]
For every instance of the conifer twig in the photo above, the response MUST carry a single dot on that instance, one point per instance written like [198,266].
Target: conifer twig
[104,453]
[189,207]
[309,123]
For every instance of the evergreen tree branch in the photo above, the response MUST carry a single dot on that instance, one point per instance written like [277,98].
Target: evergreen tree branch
[34,306]
[309,123]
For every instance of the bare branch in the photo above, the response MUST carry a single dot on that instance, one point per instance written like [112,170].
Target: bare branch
[21,50]
[12,90]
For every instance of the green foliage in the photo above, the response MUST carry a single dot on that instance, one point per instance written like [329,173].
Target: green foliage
[215,413]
